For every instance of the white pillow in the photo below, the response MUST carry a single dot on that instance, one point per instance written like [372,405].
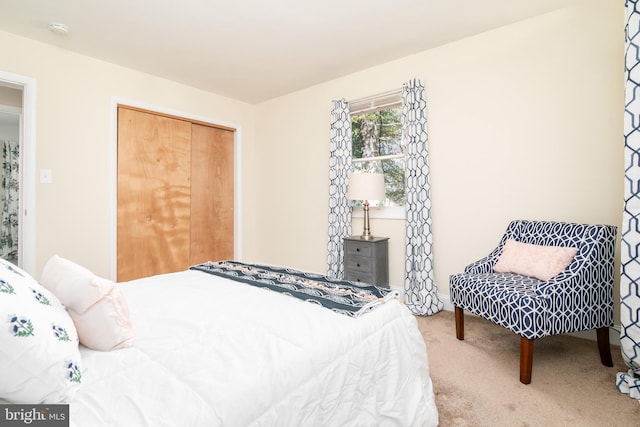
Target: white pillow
[540,262]
[96,305]
[39,355]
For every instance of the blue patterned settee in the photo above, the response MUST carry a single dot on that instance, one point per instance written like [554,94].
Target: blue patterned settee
[579,298]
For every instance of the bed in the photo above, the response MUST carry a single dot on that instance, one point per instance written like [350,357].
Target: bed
[207,350]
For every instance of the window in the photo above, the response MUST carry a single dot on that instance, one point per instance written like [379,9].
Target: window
[376,125]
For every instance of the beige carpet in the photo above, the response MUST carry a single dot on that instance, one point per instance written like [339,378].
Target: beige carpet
[476,380]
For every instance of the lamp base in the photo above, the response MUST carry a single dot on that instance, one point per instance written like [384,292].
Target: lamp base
[366,232]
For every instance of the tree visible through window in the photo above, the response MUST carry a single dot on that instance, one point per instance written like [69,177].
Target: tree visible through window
[377,147]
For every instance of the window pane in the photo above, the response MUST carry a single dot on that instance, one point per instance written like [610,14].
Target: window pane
[377,133]
[393,170]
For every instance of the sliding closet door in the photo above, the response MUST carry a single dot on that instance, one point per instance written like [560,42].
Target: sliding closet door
[175,194]
[212,194]
[153,232]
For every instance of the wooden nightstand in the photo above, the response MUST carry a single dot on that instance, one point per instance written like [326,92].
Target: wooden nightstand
[367,261]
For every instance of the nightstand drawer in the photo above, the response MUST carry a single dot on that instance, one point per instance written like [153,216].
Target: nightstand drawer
[358,265]
[359,278]
[356,248]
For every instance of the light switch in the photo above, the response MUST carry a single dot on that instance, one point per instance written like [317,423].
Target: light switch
[46,176]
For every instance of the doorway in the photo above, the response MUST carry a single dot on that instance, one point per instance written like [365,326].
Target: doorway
[10,173]
[19,105]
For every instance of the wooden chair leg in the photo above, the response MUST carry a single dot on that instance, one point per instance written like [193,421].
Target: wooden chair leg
[526,360]
[459,315]
[603,346]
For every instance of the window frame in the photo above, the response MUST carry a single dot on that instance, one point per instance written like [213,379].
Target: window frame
[368,105]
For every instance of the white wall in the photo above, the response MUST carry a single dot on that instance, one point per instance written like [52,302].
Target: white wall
[10,109]
[9,126]
[10,96]
[74,139]
[524,122]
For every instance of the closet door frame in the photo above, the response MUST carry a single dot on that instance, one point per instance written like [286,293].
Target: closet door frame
[113,203]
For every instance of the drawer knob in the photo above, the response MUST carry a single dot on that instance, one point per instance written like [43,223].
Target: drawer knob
[357,249]
[358,265]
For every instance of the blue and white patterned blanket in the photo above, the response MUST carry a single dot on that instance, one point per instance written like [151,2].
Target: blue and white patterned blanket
[344,297]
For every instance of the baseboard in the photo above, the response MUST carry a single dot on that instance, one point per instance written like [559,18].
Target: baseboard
[614,332]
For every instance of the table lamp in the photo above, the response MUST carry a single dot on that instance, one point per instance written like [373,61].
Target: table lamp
[366,186]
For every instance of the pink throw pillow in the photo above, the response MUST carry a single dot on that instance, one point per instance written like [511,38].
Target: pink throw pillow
[540,262]
[96,305]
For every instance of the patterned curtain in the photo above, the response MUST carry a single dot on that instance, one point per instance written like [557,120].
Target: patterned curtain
[421,292]
[629,382]
[9,200]
[339,169]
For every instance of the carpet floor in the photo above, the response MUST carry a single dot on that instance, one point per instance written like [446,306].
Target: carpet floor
[476,381]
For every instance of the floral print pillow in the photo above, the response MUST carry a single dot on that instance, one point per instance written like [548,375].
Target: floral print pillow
[39,355]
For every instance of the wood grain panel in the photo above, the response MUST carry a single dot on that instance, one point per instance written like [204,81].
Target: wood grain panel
[153,231]
[212,194]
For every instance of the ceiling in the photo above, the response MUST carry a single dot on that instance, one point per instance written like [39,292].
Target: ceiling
[254,50]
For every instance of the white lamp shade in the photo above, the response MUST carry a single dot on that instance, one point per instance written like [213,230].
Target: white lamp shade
[366,186]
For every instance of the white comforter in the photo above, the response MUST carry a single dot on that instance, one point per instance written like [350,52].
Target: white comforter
[212,352]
